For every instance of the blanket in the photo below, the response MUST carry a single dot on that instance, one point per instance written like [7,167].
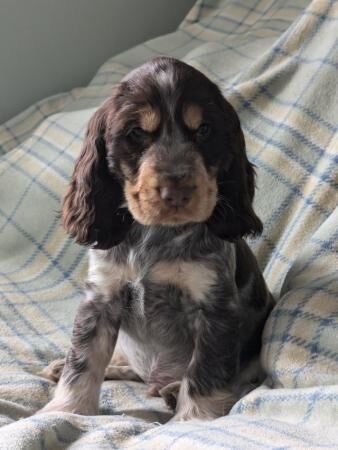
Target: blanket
[276,62]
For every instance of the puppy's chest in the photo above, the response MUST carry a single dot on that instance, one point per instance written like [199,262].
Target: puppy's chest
[155,287]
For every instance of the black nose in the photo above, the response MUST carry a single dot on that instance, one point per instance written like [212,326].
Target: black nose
[176,197]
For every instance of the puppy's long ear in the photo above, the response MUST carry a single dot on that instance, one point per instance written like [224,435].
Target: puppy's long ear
[91,211]
[234,216]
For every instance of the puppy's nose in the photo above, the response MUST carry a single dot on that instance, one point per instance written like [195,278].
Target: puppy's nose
[176,197]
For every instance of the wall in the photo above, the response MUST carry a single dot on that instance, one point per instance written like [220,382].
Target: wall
[50,46]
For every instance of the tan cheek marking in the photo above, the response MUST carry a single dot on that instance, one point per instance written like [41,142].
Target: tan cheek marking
[195,277]
[192,116]
[149,119]
[206,195]
[148,177]
[142,196]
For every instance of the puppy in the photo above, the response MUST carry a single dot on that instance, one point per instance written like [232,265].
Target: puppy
[162,193]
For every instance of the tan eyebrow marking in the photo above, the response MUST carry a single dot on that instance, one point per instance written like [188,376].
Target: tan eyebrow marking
[192,116]
[149,118]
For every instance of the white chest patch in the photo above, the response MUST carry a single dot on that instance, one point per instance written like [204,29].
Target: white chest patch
[197,278]
[110,277]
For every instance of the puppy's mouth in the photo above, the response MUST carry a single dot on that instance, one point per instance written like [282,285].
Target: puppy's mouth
[156,200]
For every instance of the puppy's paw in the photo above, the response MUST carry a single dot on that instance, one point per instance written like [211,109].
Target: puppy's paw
[74,399]
[153,391]
[120,373]
[170,394]
[74,407]
[193,412]
[54,406]
[54,370]
[202,407]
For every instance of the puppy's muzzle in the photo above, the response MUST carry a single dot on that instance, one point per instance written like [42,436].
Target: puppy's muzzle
[171,189]
[176,187]
[176,196]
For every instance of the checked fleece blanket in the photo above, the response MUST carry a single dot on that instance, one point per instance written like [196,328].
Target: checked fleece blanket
[276,61]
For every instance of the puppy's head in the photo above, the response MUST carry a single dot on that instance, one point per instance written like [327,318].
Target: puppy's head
[165,149]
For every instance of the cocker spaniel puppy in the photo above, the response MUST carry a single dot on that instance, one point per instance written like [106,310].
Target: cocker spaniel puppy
[162,193]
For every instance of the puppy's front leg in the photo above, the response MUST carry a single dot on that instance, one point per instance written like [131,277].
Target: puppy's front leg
[94,336]
[204,392]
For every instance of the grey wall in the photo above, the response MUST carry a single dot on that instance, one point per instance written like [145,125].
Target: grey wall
[50,46]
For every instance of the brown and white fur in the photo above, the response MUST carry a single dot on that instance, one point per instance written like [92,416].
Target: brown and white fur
[162,193]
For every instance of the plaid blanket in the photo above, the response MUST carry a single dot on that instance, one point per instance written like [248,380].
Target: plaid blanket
[276,61]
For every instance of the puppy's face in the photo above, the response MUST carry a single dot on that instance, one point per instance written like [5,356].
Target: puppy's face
[169,146]
[166,143]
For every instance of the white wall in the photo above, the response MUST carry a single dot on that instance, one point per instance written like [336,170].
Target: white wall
[50,46]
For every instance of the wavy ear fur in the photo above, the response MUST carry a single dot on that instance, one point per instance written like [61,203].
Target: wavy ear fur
[234,216]
[91,211]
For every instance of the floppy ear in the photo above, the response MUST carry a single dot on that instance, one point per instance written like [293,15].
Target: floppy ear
[91,211]
[233,216]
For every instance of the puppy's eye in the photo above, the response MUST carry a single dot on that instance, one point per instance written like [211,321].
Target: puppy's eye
[137,134]
[203,131]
